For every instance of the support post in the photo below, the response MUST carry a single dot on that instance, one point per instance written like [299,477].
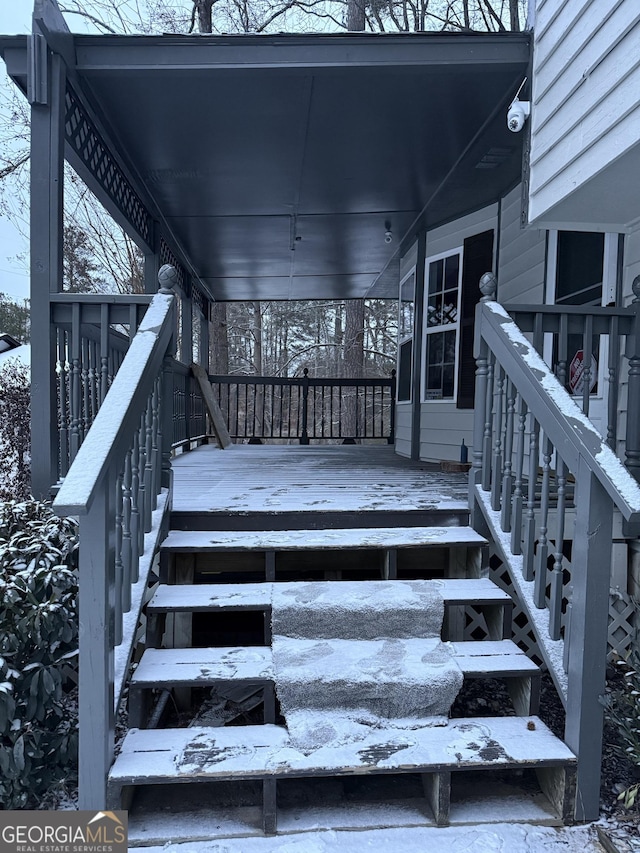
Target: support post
[632,444]
[96,721]
[588,636]
[47,164]
[418,344]
[304,437]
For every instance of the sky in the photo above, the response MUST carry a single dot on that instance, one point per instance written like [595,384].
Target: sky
[15,17]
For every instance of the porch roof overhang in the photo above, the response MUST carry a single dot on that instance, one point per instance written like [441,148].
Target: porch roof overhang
[278,162]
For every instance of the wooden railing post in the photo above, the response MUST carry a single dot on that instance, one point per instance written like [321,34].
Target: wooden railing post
[591,560]
[392,414]
[488,288]
[96,721]
[632,446]
[304,437]
[168,280]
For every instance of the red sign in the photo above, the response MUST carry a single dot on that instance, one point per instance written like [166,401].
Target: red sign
[576,373]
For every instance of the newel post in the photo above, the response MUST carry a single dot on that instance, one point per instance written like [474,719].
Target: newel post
[304,438]
[96,718]
[632,444]
[167,279]
[587,658]
[481,453]
[392,416]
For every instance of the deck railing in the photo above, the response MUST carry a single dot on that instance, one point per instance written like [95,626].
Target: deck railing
[92,334]
[307,408]
[531,442]
[563,334]
[119,476]
[189,410]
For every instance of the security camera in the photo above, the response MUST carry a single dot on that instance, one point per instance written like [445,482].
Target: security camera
[518,113]
[388,236]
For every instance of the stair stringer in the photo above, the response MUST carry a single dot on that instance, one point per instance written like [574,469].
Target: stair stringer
[552,651]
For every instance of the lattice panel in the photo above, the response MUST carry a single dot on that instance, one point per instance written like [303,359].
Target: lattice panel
[83,136]
[623,632]
[522,633]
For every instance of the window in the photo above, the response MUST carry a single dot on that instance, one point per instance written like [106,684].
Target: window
[441,326]
[405,335]
[453,290]
[579,277]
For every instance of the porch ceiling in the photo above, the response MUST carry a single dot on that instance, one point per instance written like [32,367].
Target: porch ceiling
[277,161]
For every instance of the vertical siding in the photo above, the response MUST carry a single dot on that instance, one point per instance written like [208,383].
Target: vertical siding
[522,256]
[585,99]
[442,425]
[403,429]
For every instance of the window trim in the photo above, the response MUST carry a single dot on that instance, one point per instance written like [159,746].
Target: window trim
[428,330]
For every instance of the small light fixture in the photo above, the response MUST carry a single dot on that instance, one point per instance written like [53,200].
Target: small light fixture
[388,236]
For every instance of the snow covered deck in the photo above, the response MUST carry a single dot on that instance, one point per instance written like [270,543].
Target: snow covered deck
[294,481]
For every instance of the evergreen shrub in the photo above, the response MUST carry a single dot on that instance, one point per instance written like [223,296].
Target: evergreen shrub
[38,653]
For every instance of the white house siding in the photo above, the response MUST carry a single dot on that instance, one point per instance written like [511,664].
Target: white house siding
[585,118]
[442,425]
[522,256]
[403,429]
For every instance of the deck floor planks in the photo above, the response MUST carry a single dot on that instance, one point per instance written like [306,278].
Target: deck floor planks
[295,479]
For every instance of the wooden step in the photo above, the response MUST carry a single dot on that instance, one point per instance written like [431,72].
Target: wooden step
[200,754]
[253,666]
[312,540]
[292,554]
[199,598]
[211,598]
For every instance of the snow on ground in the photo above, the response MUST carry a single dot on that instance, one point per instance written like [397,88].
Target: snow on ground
[489,838]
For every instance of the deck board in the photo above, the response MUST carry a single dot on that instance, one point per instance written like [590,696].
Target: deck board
[247,479]
[166,667]
[257,596]
[245,752]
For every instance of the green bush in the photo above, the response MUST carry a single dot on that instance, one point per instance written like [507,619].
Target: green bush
[38,653]
[623,709]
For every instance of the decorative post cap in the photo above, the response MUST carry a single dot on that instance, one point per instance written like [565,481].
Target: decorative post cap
[167,278]
[635,286]
[488,287]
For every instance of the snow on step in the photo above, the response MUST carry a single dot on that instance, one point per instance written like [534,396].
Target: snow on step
[257,596]
[202,754]
[391,678]
[353,609]
[162,667]
[309,540]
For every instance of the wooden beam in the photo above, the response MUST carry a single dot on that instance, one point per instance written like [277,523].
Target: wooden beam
[219,426]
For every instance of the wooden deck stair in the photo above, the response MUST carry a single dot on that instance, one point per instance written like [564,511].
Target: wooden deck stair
[263,753]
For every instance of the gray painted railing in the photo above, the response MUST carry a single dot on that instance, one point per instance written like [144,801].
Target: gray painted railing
[91,334]
[113,485]
[593,330]
[189,410]
[533,449]
[305,408]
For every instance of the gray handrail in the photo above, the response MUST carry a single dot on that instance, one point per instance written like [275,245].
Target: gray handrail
[554,409]
[110,434]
